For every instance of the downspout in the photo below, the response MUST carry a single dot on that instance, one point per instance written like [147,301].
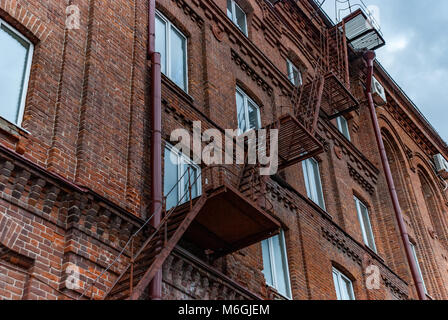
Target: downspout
[155,287]
[369,57]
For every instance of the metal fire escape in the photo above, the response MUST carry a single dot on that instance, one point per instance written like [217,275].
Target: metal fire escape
[233,212]
[327,91]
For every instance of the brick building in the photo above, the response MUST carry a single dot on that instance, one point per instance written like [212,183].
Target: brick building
[75,174]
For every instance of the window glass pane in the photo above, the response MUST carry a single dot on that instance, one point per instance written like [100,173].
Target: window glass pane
[267,271]
[171,178]
[240,19]
[241,113]
[313,182]
[336,285]
[177,57]
[318,187]
[414,252]
[161,42]
[13,66]
[346,287]
[229,9]
[253,116]
[306,176]
[365,225]
[343,286]
[343,127]
[190,178]
[280,267]
[294,74]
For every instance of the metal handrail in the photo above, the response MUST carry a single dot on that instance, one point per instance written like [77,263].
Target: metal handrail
[233,181]
[255,186]
[130,241]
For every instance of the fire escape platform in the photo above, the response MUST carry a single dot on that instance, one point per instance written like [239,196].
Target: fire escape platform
[338,99]
[362,32]
[228,222]
[295,142]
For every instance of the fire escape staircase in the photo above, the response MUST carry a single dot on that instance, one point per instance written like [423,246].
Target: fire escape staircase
[132,283]
[221,220]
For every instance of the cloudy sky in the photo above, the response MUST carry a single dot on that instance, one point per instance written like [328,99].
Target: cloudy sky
[416,53]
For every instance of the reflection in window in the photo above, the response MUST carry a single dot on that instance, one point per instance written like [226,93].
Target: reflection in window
[248,113]
[172,45]
[294,74]
[343,126]
[364,221]
[237,15]
[275,264]
[177,178]
[414,253]
[312,182]
[343,286]
[15,63]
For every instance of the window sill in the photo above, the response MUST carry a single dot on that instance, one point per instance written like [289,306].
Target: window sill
[178,90]
[274,294]
[374,254]
[11,128]
[16,134]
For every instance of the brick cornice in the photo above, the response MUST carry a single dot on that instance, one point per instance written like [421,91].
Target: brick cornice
[245,47]
[251,72]
[63,203]
[353,156]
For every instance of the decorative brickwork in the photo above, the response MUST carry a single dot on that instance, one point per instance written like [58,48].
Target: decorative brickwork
[75,178]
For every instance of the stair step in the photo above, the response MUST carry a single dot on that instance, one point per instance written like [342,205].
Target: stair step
[137,275]
[151,254]
[148,254]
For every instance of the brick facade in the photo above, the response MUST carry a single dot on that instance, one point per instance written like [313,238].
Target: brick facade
[75,178]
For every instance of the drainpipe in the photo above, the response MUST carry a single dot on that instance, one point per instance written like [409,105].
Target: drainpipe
[369,57]
[155,287]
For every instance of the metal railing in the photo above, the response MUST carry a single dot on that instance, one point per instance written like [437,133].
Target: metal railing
[214,177]
[221,175]
[130,243]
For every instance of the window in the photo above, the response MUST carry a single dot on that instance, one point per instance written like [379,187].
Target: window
[176,168]
[364,221]
[275,264]
[16,53]
[343,286]
[248,113]
[172,45]
[237,15]
[294,74]
[343,126]
[312,182]
[414,253]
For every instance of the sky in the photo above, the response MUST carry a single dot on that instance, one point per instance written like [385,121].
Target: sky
[416,51]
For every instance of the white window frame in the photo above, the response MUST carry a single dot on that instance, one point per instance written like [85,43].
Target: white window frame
[170,25]
[369,228]
[311,192]
[246,100]
[343,122]
[26,76]
[284,255]
[182,161]
[414,253]
[291,68]
[233,17]
[340,281]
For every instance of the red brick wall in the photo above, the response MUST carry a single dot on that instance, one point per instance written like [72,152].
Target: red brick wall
[86,119]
